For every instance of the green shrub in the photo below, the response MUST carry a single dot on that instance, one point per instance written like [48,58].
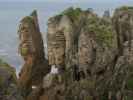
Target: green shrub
[124,8]
[72,13]
[7,92]
[3,64]
[9,69]
[102,30]
[130,84]
[24,51]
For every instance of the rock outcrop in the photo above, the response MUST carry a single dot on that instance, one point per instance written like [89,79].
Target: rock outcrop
[123,23]
[90,57]
[8,83]
[89,51]
[31,49]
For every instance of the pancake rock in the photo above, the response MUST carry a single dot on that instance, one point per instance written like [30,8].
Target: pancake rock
[31,49]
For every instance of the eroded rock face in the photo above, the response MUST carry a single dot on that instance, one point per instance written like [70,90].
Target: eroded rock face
[31,49]
[122,75]
[95,46]
[91,57]
[94,58]
[90,46]
[123,23]
[59,40]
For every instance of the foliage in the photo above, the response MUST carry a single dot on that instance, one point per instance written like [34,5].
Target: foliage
[124,8]
[72,13]
[24,51]
[28,19]
[102,30]
[130,84]
[9,69]
[2,63]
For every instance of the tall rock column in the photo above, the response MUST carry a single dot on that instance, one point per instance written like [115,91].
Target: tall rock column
[123,23]
[31,49]
[59,40]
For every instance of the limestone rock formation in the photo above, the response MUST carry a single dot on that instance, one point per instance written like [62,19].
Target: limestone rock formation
[90,57]
[31,48]
[123,72]
[97,41]
[8,83]
[81,39]
[59,40]
[123,23]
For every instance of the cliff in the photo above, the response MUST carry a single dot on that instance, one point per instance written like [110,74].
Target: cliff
[89,57]
[32,51]
[93,55]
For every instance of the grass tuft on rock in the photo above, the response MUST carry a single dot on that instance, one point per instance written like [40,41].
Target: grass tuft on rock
[72,13]
[10,69]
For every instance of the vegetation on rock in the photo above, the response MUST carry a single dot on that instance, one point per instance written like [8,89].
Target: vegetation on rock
[73,14]
[130,84]
[24,51]
[10,69]
[104,32]
[98,71]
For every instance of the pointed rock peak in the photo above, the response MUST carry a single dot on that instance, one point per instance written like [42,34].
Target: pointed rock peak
[35,18]
[34,13]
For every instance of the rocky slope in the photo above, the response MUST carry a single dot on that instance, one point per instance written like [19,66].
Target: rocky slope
[8,83]
[89,57]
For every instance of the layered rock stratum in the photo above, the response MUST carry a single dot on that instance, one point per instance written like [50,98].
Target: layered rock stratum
[89,57]
[32,50]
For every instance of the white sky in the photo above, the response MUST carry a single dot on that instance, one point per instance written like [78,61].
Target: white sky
[122,2]
[67,0]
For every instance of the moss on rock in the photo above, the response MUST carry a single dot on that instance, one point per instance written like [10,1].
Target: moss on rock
[130,84]
[24,51]
[28,19]
[1,81]
[125,8]
[9,69]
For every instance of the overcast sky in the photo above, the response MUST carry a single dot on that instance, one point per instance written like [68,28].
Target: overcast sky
[103,2]
[68,0]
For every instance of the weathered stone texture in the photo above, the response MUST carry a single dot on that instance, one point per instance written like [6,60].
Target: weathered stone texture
[31,48]
[90,57]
